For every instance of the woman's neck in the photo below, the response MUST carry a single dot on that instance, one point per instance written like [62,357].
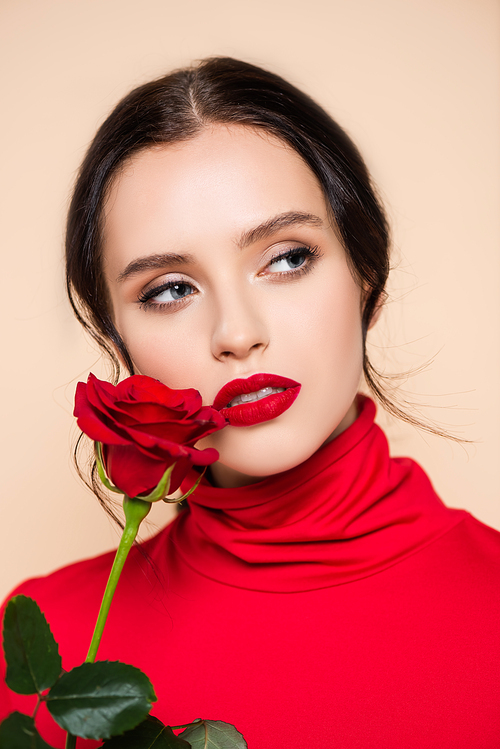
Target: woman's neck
[229,478]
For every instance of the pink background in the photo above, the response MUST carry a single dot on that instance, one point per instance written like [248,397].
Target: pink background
[415,83]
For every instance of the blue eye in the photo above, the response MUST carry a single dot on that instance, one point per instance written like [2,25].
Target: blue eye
[289,262]
[173,292]
[294,261]
[167,294]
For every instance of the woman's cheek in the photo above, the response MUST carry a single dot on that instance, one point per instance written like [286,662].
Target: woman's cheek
[174,358]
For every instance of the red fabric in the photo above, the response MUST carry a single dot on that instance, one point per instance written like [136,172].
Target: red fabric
[339,604]
[348,512]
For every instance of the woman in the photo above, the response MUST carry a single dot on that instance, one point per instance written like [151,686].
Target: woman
[224,235]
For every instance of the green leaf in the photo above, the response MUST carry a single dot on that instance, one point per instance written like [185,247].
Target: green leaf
[102,699]
[18,732]
[213,734]
[33,660]
[150,734]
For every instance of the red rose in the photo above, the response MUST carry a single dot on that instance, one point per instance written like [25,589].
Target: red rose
[145,427]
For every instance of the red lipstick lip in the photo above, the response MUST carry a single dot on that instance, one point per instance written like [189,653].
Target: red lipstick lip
[256,412]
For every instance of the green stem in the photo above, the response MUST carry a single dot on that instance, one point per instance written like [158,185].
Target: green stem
[135,512]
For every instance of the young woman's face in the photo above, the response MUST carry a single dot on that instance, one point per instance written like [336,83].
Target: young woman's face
[222,263]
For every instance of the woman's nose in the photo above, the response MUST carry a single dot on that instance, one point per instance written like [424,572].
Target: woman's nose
[239,328]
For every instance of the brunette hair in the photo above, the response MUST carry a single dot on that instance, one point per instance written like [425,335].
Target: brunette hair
[175,108]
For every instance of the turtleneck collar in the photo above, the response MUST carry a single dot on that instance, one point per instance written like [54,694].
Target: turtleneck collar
[347,512]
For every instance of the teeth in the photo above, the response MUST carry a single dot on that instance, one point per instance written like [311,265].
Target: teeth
[256,396]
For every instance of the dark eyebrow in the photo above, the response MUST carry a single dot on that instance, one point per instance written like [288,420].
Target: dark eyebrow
[274,224]
[154,262]
[262,231]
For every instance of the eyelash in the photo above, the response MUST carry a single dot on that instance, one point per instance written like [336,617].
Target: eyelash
[310,253]
[145,298]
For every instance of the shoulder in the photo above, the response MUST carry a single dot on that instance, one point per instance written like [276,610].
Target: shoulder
[75,584]
[84,581]
[476,547]
[70,597]
[77,573]
[478,542]
[463,564]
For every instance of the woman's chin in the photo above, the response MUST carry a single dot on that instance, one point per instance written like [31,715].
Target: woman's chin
[249,454]
[239,467]
[224,476]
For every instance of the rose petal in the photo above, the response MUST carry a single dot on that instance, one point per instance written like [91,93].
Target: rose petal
[145,427]
[90,420]
[131,471]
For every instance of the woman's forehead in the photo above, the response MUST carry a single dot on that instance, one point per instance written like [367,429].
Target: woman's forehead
[227,179]
[233,148]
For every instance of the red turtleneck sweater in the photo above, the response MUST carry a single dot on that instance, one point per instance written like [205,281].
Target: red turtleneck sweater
[339,604]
